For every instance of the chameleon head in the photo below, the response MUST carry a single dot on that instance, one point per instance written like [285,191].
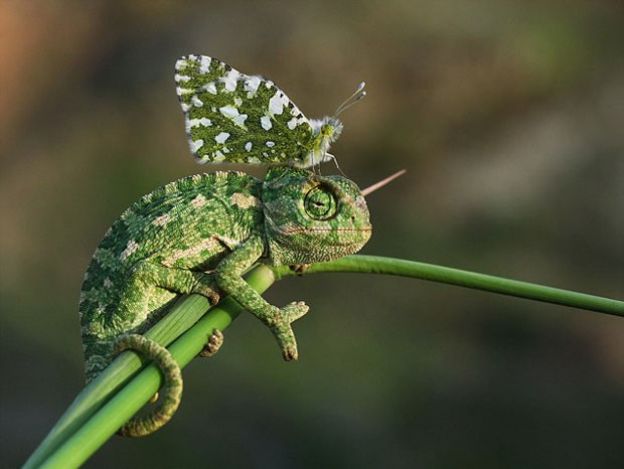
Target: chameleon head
[311,218]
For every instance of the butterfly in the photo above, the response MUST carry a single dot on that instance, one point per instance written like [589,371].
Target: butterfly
[237,118]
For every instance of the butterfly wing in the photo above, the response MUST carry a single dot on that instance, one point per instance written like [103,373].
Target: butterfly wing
[238,118]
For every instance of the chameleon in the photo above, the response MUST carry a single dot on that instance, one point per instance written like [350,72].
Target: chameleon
[200,234]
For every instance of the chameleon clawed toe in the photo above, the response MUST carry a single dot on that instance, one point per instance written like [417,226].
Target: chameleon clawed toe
[154,398]
[281,327]
[293,311]
[299,269]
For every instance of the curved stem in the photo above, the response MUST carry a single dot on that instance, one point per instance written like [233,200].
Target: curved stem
[95,416]
[463,278]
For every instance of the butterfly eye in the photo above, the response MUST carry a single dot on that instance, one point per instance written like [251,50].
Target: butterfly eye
[320,203]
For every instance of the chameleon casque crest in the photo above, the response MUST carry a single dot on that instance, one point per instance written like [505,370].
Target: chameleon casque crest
[200,234]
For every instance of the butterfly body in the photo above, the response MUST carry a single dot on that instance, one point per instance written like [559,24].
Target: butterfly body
[326,131]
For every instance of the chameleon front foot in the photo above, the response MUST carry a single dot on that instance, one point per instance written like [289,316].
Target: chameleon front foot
[282,329]
[215,341]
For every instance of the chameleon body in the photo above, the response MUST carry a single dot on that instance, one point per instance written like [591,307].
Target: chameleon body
[200,234]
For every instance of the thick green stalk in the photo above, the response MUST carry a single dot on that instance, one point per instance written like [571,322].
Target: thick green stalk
[93,418]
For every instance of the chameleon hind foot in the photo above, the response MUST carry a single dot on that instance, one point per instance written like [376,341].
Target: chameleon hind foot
[282,329]
[171,391]
[215,341]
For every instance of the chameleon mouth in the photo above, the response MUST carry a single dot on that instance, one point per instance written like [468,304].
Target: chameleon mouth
[358,238]
[298,230]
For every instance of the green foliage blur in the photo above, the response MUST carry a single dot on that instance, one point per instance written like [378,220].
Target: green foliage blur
[508,117]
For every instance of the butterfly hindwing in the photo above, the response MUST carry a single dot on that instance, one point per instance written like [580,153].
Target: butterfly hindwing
[238,118]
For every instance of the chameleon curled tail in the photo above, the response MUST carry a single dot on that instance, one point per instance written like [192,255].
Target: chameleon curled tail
[172,388]
[171,391]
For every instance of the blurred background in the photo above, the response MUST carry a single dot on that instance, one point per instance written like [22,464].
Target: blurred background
[508,116]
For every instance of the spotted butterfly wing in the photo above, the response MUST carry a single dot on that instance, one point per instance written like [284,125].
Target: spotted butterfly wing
[238,118]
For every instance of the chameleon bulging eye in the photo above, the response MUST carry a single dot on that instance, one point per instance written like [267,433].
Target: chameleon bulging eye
[320,203]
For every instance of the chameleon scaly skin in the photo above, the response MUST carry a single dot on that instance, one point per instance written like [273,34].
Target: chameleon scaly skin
[200,234]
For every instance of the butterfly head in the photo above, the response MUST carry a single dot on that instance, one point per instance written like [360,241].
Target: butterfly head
[330,129]
[311,218]
[327,130]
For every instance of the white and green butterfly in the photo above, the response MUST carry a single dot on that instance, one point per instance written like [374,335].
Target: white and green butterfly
[237,118]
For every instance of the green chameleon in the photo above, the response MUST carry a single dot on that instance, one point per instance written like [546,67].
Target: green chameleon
[200,234]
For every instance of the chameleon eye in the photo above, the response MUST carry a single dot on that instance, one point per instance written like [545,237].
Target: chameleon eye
[320,203]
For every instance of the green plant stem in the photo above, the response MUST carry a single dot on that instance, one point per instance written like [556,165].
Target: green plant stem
[95,416]
[463,278]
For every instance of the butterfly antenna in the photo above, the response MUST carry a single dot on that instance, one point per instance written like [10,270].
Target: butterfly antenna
[383,182]
[358,94]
